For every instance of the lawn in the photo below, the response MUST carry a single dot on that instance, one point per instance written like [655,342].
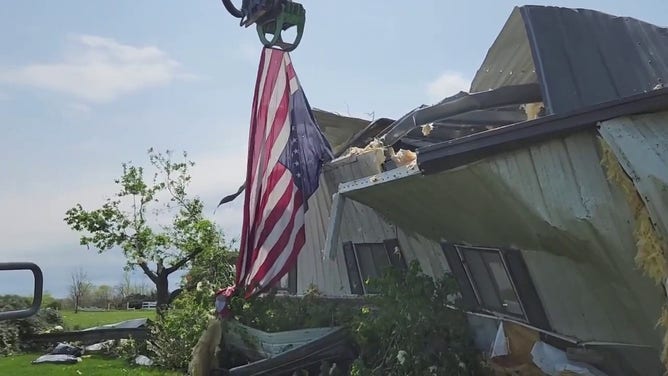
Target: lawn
[20,365]
[83,320]
[94,366]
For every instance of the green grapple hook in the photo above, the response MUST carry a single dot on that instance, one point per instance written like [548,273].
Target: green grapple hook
[291,15]
[271,17]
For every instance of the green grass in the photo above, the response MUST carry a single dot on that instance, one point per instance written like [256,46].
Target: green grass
[20,365]
[83,320]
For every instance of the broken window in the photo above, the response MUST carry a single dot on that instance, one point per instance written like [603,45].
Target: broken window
[366,261]
[495,280]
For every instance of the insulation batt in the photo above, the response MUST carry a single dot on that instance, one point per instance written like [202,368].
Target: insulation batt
[532,109]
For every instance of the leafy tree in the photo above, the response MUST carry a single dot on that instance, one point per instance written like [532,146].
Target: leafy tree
[157,225]
[103,295]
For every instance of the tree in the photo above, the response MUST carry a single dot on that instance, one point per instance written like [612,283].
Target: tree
[80,288]
[159,247]
[103,295]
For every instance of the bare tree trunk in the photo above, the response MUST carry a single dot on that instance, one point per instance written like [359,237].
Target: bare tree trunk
[162,292]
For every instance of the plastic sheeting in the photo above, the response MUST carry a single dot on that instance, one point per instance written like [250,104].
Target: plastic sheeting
[554,362]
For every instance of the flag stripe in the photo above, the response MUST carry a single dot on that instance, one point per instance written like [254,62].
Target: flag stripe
[277,239]
[272,201]
[270,255]
[285,154]
[285,267]
[242,262]
[269,64]
[283,207]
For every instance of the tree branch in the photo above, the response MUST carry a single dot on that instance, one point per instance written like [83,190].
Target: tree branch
[149,273]
[174,294]
[183,261]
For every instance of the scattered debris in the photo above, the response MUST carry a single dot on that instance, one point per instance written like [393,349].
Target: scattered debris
[59,359]
[63,353]
[554,362]
[143,360]
[67,349]
[403,157]
[376,144]
[500,344]
[100,347]
[427,128]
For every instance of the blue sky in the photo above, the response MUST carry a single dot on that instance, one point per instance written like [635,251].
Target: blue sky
[87,85]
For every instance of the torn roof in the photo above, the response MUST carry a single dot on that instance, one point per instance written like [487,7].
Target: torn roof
[579,57]
[338,129]
[560,59]
[457,152]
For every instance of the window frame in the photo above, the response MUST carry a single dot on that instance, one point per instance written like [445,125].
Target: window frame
[516,271]
[355,277]
[497,291]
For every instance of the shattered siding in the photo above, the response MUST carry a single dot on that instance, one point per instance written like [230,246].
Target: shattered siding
[359,224]
[640,143]
[552,201]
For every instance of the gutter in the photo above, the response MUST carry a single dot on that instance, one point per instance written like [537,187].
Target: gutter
[339,200]
[454,153]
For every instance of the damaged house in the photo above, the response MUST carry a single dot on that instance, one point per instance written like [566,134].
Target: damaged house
[544,191]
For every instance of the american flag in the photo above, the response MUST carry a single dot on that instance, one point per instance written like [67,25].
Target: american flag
[286,151]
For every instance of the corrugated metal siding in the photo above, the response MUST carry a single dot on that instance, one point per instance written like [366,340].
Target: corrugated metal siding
[508,61]
[359,224]
[579,56]
[553,201]
[583,57]
[641,146]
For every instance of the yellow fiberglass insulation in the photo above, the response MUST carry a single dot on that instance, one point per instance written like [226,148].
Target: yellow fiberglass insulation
[651,255]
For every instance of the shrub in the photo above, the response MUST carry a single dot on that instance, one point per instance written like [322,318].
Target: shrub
[175,332]
[174,335]
[407,328]
[14,333]
[127,349]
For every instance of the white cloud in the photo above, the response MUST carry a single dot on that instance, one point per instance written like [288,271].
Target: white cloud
[98,69]
[447,84]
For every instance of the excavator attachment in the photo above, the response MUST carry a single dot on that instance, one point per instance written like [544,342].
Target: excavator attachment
[271,17]
[37,292]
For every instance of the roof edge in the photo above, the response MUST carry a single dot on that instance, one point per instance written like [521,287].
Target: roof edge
[454,153]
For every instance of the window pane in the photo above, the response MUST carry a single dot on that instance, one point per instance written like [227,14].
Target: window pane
[508,296]
[353,273]
[372,260]
[482,280]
